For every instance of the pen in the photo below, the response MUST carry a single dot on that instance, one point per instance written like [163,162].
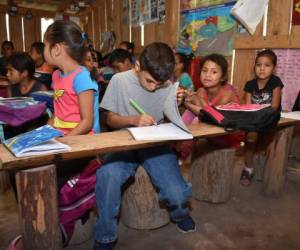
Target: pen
[138,107]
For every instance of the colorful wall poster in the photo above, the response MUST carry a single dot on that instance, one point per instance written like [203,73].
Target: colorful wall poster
[288,65]
[207,30]
[147,11]
[195,4]
[296,12]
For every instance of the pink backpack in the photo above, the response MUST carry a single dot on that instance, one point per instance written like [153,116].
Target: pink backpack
[77,198]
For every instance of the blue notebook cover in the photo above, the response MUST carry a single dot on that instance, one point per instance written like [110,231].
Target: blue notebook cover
[38,141]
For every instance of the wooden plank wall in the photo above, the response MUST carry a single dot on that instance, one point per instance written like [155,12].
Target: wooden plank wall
[3,32]
[108,16]
[279,34]
[15,24]
[32,27]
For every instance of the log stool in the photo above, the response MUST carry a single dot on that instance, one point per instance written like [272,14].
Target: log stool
[140,208]
[4,181]
[295,145]
[211,174]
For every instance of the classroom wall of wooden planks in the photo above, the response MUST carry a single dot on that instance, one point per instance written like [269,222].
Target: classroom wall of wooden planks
[106,15]
[32,27]
[280,33]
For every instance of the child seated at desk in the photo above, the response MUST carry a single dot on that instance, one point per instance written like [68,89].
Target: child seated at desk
[149,86]
[121,60]
[215,91]
[129,46]
[43,70]
[75,92]
[7,49]
[20,71]
[182,62]
[265,88]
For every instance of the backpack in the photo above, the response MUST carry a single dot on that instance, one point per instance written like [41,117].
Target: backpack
[17,111]
[77,198]
[246,117]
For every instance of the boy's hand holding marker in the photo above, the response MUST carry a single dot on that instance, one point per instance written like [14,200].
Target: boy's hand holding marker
[143,119]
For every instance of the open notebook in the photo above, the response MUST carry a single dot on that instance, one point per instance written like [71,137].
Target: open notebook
[166,131]
[36,142]
[175,130]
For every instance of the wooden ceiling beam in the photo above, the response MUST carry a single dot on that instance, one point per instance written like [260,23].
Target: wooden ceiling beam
[64,5]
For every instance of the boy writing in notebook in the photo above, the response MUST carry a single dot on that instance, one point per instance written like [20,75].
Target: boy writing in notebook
[148,85]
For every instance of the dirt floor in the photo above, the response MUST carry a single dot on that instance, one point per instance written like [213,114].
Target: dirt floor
[248,220]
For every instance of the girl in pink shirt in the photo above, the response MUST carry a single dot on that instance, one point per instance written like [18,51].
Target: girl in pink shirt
[75,92]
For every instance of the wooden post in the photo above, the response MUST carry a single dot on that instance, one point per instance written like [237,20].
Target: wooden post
[295,146]
[38,209]
[4,181]
[277,155]
[140,205]
[211,174]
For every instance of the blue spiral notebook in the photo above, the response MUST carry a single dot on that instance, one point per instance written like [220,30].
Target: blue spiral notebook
[36,142]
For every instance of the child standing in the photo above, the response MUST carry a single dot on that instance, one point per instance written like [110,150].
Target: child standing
[148,85]
[75,93]
[20,71]
[265,88]
[182,62]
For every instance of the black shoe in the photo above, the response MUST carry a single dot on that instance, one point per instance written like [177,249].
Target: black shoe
[186,225]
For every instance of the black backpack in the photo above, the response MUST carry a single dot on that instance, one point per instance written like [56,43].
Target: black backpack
[253,117]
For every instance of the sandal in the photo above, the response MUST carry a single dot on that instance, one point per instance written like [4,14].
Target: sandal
[246,178]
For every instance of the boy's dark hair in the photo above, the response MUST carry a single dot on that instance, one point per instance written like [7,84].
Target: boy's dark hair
[267,53]
[119,56]
[70,34]
[39,47]
[158,60]
[22,61]
[219,60]
[185,60]
[128,45]
[7,43]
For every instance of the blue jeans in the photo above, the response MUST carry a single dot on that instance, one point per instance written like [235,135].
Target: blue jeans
[161,165]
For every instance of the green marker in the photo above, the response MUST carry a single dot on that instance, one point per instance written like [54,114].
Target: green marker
[136,106]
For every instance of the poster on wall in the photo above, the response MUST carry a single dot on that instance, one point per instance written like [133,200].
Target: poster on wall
[207,30]
[194,4]
[288,64]
[161,11]
[125,12]
[147,11]
[296,12]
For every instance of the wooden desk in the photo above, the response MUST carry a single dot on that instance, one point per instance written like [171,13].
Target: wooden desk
[37,189]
